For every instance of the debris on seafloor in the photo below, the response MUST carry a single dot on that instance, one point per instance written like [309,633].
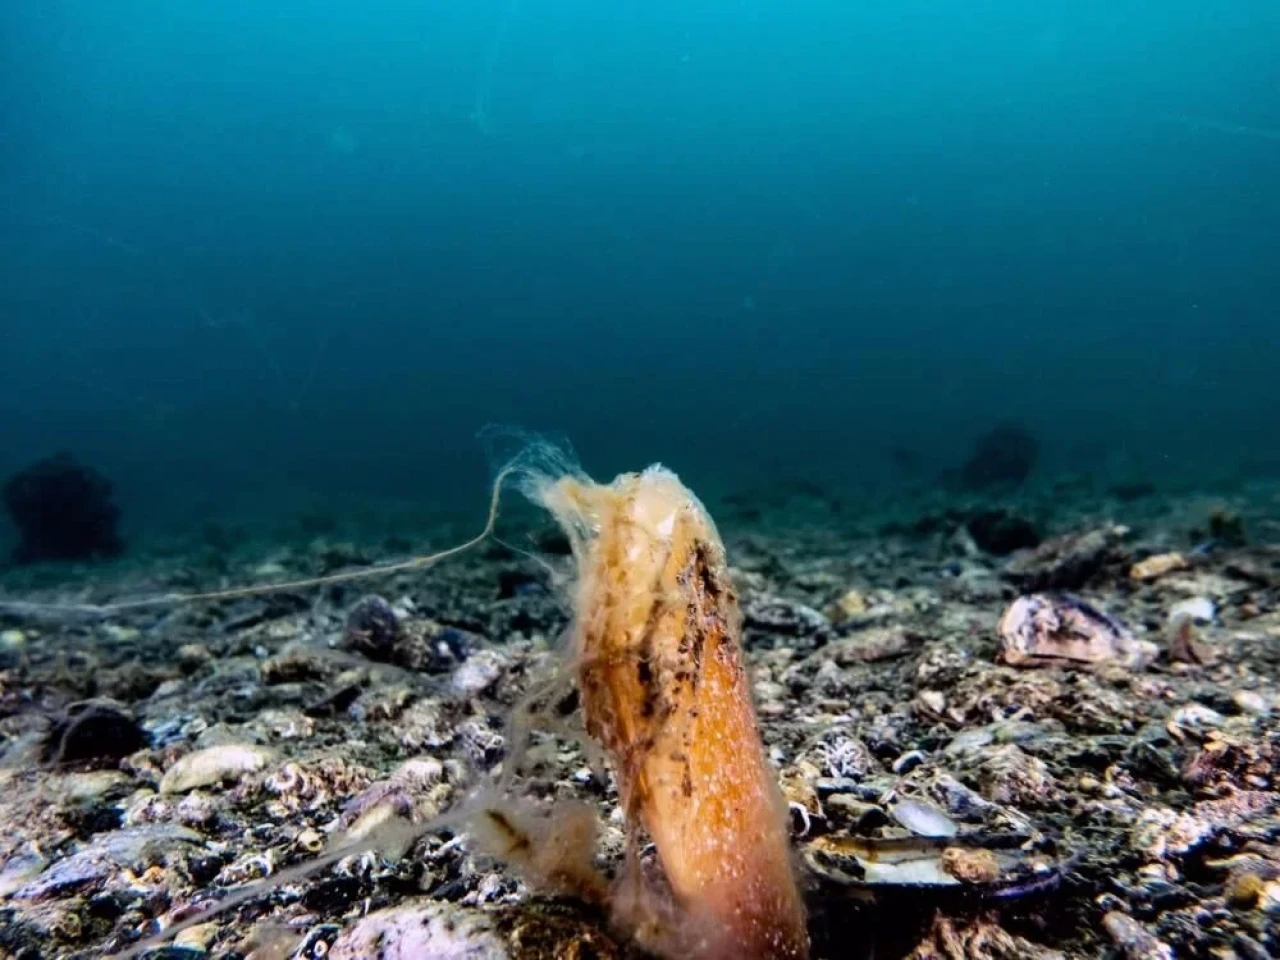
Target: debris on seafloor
[92,732]
[1154,567]
[372,629]
[1061,628]
[417,930]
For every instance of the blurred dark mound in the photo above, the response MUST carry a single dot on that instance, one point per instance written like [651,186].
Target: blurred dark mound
[1000,532]
[63,511]
[1003,456]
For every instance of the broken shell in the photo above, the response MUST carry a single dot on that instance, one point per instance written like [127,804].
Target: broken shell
[923,819]
[1157,566]
[1061,628]
[1185,645]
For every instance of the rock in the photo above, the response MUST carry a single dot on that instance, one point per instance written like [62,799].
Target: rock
[478,673]
[132,847]
[960,801]
[869,646]
[1135,941]
[774,615]
[372,629]
[1060,628]
[843,756]
[1000,532]
[62,511]
[426,725]
[298,665]
[214,765]
[1067,562]
[20,869]
[1160,832]
[90,787]
[93,731]
[1013,777]
[196,939]
[191,657]
[421,931]
[1157,566]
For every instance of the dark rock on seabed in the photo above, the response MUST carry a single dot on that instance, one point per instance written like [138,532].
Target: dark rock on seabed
[62,510]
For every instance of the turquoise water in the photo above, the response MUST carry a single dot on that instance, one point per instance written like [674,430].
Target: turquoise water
[265,254]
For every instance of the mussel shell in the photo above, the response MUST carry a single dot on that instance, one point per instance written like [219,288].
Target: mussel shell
[914,865]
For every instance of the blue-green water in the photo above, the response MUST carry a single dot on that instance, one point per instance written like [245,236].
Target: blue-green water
[266,252]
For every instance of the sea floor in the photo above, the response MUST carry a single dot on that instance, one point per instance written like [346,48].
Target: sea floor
[962,783]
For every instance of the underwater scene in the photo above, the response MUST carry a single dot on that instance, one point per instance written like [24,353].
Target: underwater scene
[674,479]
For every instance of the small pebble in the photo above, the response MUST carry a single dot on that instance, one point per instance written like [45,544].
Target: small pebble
[1247,701]
[197,938]
[192,656]
[1134,940]
[908,762]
